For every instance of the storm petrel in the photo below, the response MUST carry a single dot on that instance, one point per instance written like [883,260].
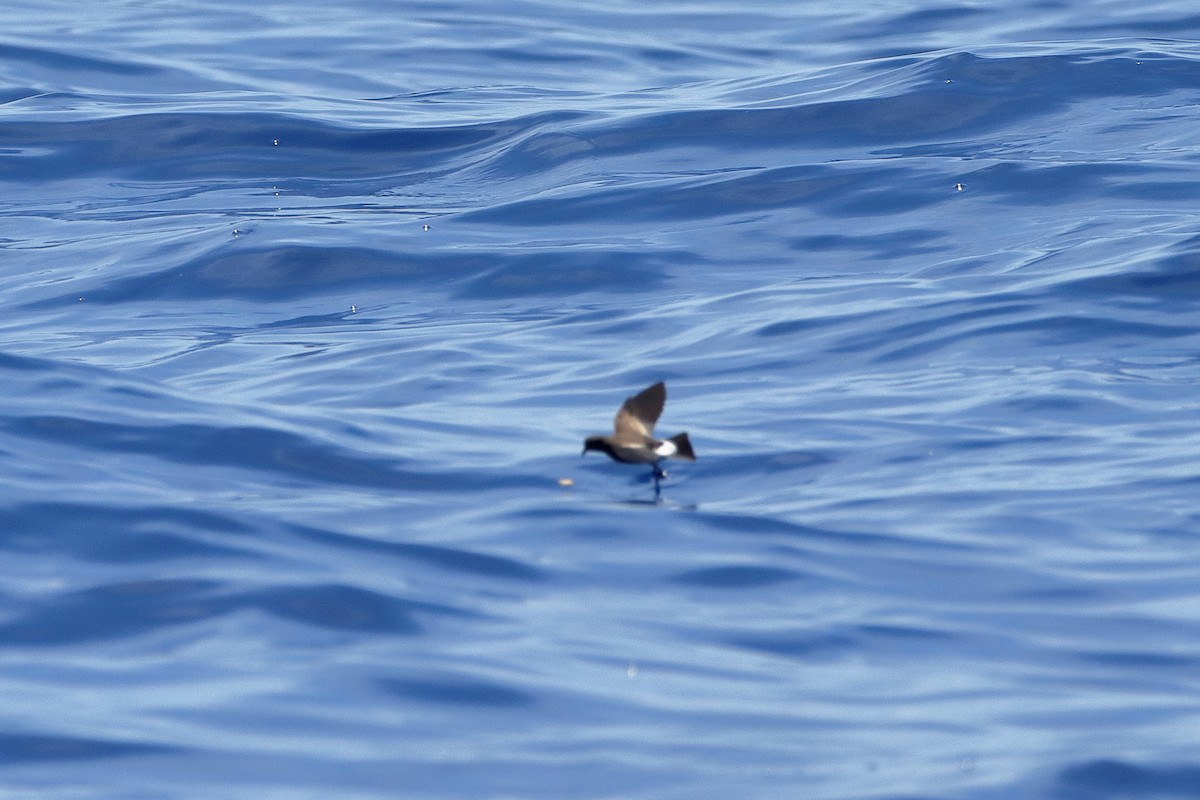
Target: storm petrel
[632,440]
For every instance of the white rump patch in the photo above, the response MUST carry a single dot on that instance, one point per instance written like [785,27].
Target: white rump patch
[666,449]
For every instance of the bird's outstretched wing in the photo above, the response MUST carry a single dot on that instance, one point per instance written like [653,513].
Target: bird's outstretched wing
[635,421]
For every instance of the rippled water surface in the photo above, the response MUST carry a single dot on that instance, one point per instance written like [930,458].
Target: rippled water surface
[308,309]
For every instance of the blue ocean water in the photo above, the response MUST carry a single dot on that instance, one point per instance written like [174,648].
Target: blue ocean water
[308,309]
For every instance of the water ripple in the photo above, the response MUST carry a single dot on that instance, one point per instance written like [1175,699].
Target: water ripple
[310,314]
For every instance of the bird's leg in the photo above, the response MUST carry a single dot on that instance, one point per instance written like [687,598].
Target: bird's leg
[658,474]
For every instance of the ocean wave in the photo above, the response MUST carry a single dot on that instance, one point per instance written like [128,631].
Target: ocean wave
[308,321]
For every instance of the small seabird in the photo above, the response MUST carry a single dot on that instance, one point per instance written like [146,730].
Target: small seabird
[632,440]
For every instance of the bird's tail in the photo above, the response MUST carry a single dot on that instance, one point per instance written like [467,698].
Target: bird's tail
[683,448]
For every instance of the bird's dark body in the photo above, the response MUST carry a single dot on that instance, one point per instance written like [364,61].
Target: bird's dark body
[642,453]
